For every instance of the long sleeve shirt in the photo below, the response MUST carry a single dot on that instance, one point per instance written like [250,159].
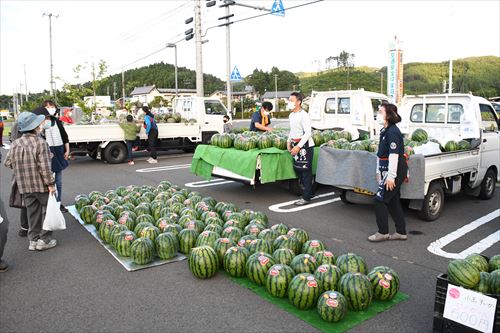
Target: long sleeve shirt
[29,158]
[149,124]
[300,128]
[130,130]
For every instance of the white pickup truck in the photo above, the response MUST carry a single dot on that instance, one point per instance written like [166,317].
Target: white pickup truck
[107,141]
[352,110]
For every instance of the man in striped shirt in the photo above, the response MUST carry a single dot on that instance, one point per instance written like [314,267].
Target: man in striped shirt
[29,157]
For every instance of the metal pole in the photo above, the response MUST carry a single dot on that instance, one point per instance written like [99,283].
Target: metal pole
[228,61]
[176,74]
[242,107]
[25,84]
[123,88]
[21,94]
[276,92]
[199,58]
[50,43]
[450,78]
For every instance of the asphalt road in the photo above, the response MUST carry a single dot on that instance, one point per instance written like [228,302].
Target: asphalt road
[79,287]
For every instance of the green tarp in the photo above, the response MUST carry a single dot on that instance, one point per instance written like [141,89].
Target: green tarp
[276,164]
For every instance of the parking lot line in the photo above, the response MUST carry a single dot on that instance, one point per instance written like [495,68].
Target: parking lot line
[207,183]
[278,207]
[164,168]
[436,247]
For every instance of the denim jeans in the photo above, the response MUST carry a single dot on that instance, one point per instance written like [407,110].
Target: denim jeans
[130,144]
[58,177]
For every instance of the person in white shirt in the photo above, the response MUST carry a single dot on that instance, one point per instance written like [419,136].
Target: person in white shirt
[301,145]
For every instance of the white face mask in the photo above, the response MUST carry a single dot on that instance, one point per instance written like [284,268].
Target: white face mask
[290,105]
[380,119]
[51,111]
[46,125]
[266,113]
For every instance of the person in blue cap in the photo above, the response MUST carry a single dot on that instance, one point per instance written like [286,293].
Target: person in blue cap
[29,157]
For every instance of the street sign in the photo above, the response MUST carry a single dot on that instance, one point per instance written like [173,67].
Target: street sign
[235,74]
[278,9]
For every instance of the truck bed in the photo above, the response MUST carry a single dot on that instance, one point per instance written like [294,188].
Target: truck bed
[451,164]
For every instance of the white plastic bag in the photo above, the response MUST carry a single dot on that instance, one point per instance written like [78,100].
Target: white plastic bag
[54,218]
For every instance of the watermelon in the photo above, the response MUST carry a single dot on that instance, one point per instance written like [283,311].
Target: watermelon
[280,143]
[283,256]
[118,211]
[156,208]
[207,238]
[303,291]
[203,262]
[234,223]
[214,227]
[324,257]
[257,266]
[81,201]
[232,233]
[195,225]
[260,245]
[87,213]
[145,218]
[291,243]
[300,234]
[278,279]
[268,235]
[221,245]
[478,261]
[123,243]
[173,228]
[167,245]
[385,283]
[351,262]
[332,306]
[94,195]
[246,240]
[419,135]
[225,141]
[357,289]
[187,240]
[150,232]
[141,251]
[235,260]
[313,246]
[280,228]
[260,216]
[238,217]
[127,218]
[461,272]
[105,230]
[253,229]
[328,277]
[303,263]
[494,286]
[317,138]
[247,214]
[494,263]
[464,145]
[451,146]
[100,217]
[484,283]
[214,220]
[264,142]
[142,209]
[214,140]
[139,226]
[115,231]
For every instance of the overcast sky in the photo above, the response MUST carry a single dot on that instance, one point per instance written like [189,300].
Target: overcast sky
[120,32]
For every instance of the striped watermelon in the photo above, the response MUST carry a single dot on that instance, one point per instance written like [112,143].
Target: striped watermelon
[214,227]
[87,213]
[419,135]
[128,219]
[139,226]
[253,229]
[115,231]
[173,228]
[332,306]
[313,246]
[203,262]
[291,243]
[303,291]
[325,257]
[207,238]
[484,283]
[105,230]
[385,282]
[119,211]
[257,266]
[451,146]
[328,277]
[100,217]
[351,262]
[278,279]
[281,229]
[265,142]
[268,234]
[94,195]
[221,245]
[232,233]
[214,220]
[187,240]
[235,260]
[81,201]
[303,263]
[123,243]
[246,240]
[464,145]
[357,289]
[283,256]
[234,223]
[142,209]
[195,225]
[299,234]
[238,217]
[260,216]
[145,218]
[260,245]
[141,251]
[494,286]
[167,245]
[279,143]
[150,232]
[478,261]
[461,272]
[494,263]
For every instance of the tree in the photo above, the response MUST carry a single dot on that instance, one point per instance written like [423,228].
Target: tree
[345,60]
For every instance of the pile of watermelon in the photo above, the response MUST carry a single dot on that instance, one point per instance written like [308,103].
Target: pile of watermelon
[249,140]
[420,137]
[477,273]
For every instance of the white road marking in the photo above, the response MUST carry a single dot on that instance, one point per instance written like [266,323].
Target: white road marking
[164,168]
[206,183]
[436,246]
[277,207]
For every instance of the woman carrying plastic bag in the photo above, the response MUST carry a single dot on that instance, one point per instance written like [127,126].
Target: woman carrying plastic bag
[54,218]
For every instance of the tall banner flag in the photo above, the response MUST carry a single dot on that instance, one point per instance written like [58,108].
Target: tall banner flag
[395,72]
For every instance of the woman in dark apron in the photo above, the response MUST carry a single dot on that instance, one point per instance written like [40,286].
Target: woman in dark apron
[391,173]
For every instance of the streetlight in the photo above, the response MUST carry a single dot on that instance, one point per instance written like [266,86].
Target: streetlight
[170,45]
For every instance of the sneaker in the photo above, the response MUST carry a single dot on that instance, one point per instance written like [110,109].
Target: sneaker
[63,209]
[131,163]
[149,160]
[135,148]
[41,245]
[152,161]
[32,246]
[396,236]
[378,237]
[22,232]
[302,202]
[3,266]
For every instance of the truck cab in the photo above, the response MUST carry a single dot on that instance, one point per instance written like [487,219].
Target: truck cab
[352,110]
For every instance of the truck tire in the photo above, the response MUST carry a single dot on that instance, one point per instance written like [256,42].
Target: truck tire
[488,185]
[115,152]
[343,197]
[433,203]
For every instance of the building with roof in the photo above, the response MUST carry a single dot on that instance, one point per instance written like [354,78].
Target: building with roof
[144,94]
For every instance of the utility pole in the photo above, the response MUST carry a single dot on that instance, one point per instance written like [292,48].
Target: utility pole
[114,91]
[229,96]
[175,68]
[450,77]
[199,58]
[21,94]
[25,84]
[50,43]
[276,92]
[123,88]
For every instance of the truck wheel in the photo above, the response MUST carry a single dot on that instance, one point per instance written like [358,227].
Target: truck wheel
[488,185]
[115,152]
[433,203]
[295,187]
[343,197]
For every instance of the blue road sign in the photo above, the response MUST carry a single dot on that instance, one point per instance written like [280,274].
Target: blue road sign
[235,74]
[278,9]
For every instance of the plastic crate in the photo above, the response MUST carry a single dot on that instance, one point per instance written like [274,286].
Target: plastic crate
[445,325]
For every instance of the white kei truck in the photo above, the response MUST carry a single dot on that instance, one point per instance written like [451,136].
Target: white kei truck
[452,117]
[107,141]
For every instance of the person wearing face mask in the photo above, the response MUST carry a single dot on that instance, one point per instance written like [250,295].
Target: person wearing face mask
[228,127]
[260,119]
[392,170]
[29,157]
[57,138]
[66,118]
[301,145]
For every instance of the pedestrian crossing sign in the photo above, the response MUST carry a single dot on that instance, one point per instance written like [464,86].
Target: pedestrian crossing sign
[235,74]
[278,9]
